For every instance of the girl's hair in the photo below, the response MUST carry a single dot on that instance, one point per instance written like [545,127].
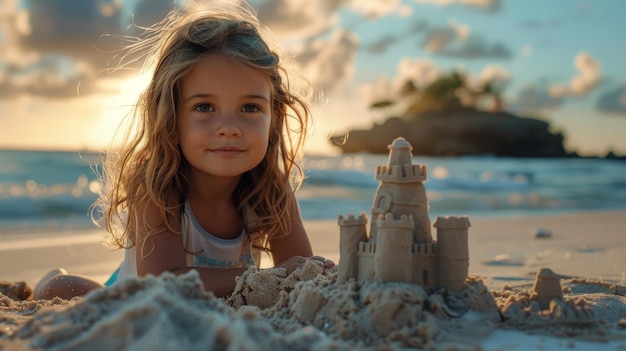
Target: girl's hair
[147,170]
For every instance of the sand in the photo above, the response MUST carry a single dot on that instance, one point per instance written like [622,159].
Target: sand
[308,310]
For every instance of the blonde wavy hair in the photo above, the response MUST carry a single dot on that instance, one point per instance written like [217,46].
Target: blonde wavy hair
[149,167]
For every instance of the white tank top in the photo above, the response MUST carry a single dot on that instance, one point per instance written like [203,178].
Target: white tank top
[203,249]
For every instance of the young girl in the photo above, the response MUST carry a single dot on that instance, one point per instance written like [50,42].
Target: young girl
[207,180]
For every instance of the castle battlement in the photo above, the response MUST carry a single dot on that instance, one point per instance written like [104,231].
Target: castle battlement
[352,221]
[399,247]
[452,222]
[425,249]
[367,248]
[401,173]
[387,221]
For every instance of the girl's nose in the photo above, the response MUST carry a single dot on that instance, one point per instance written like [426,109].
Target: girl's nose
[228,127]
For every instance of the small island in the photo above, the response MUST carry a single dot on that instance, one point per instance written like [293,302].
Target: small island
[446,118]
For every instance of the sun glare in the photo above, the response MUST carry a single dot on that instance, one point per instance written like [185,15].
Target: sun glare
[115,109]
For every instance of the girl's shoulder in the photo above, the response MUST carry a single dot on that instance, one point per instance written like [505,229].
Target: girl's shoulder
[167,213]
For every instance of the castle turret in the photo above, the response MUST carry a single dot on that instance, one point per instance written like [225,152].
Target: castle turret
[452,251]
[401,191]
[351,232]
[393,260]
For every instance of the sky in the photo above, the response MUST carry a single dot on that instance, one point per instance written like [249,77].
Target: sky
[560,60]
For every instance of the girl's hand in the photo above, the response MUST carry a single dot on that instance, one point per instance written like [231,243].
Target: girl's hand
[296,262]
[326,263]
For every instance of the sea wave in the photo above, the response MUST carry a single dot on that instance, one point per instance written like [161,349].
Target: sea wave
[59,188]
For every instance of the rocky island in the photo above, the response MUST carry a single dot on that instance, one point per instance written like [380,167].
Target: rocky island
[449,117]
[460,133]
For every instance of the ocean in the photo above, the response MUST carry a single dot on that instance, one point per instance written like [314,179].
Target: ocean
[50,191]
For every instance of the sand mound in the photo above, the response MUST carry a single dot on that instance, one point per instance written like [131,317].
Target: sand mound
[16,291]
[589,310]
[165,313]
[371,314]
[303,311]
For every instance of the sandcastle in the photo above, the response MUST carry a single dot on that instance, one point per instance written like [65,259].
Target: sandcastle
[400,247]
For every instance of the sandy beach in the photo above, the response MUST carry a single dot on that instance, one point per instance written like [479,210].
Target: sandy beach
[586,250]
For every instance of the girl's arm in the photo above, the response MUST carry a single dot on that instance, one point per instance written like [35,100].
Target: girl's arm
[164,252]
[294,243]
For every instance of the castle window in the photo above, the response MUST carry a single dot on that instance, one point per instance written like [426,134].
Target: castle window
[425,277]
[384,200]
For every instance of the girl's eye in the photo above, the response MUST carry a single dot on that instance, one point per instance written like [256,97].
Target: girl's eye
[250,108]
[204,108]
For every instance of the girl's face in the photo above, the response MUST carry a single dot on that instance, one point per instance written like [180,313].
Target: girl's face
[224,115]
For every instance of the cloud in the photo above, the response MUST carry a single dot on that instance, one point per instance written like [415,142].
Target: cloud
[419,71]
[382,44]
[536,24]
[544,96]
[422,72]
[329,63]
[27,69]
[495,75]
[532,98]
[297,18]
[305,18]
[587,79]
[377,8]
[583,9]
[75,28]
[55,48]
[613,101]
[13,26]
[70,27]
[51,76]
[149,12]
[457,40]
[486,5]
[380,91]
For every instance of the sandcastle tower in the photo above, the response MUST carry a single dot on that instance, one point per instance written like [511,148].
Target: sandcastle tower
[399,246]
[394,249]
[452,251]
[401,191]
[352,233]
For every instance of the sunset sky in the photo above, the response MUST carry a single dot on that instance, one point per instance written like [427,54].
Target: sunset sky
[562,60]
